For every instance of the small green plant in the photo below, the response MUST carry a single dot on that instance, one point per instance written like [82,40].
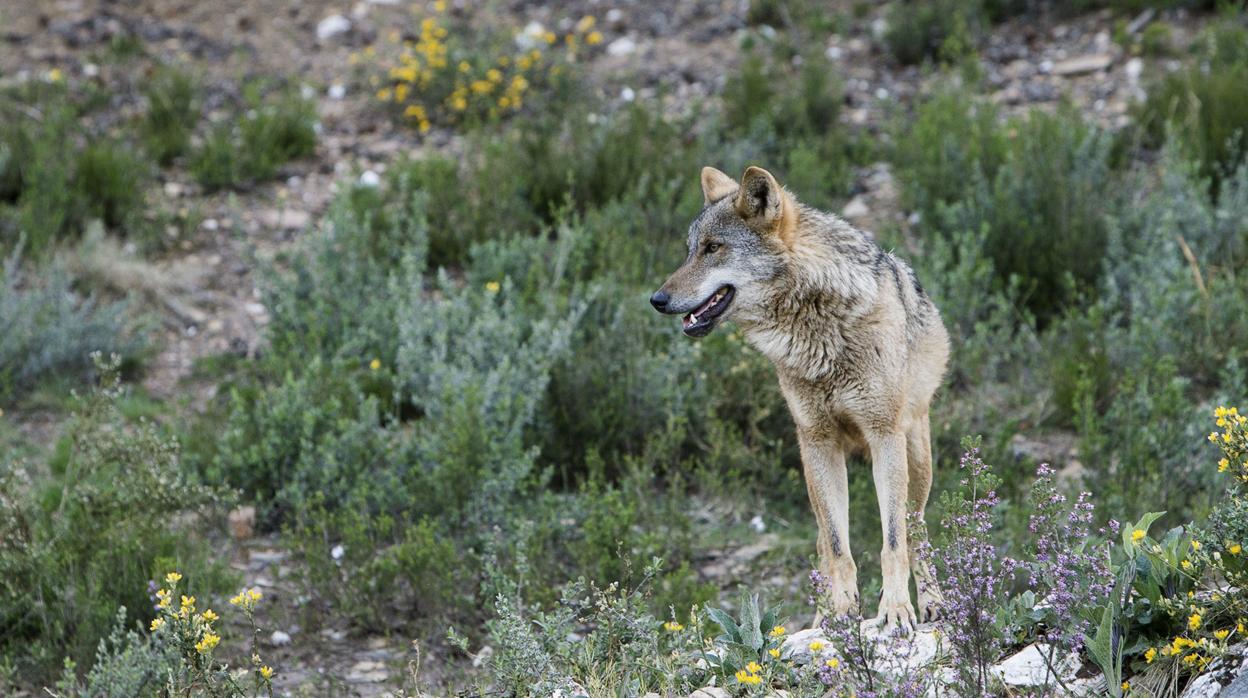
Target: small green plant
[1204,105]
[171,116]
[50,330]
[933,29]
[241,152]
[87,535]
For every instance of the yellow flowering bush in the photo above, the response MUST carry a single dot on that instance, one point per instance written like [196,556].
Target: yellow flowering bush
[192,636]
[437,73]
[1209,572]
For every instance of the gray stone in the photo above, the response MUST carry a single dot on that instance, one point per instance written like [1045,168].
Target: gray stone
[332,26]
[1083,64]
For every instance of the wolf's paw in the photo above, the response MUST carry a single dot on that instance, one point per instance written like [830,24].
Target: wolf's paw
[895,616]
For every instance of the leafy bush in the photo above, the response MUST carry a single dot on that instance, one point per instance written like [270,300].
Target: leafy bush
[923,29]
[86,536]
[1204,105]
[58,177]
[46,329]
[1038,185]
[242,151]
[172,112]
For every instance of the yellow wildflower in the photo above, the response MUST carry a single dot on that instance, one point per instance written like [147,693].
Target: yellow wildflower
[207,642]
[400,92]
[439,6]
[535,55]
[1126,686]
[55,75]
[481,86]
[753,667]
[1195,545]
[670,626]
[524,63]
[405,73]
[1221,634]
[1186,564]
[493,75]
[458,102]
[1191,658]
[1213,437]
[815,646]
[593,38]
[209,615]
[777,631]
[833,663]
[416,111]
[1150,655]
[493,287]
[1239,627]
[1234,549]
[267,672]
[586,23]
[1193,621]
[504,102]
[1137,535]
[383,94]
[188,601]
[744,676]
[464,66]
[774,652]
[549,37]
[1219,411]
[157,623]
[376,363]
[424,126]
[173,577]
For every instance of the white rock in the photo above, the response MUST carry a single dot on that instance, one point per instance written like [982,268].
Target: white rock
[615,16]
[709,692]
[1134,67]
[383,2]
[855,209]
[337,552]
[286,219]
[331,26]
[833,53]
[279,638]
[1046,66]
[531,36]
[360,11]
[337,91]
[881,93]
[758,524]
[627,94]
[1029,667]
[90,70]
[368,178]
[575,690]
[879,27]
[483,656]
[622,46]
[1083,64]
[368,671]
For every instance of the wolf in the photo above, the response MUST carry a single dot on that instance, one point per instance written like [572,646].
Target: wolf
[859,349]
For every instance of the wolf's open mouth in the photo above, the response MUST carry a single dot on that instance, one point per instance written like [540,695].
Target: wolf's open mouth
[701,321]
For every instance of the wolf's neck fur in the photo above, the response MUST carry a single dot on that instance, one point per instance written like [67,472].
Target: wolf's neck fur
[827,282]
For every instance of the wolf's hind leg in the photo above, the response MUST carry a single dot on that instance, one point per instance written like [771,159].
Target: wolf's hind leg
[919,459]
[888,465]
[827,483]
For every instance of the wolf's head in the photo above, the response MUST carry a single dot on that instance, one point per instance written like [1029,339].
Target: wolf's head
[736,248]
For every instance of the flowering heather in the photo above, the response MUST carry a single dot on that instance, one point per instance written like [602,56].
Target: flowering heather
[1069,568]
[971,575]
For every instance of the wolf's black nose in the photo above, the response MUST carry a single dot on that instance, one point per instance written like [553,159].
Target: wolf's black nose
[659,300]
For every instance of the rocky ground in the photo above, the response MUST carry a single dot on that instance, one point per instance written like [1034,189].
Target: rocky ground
[204,286]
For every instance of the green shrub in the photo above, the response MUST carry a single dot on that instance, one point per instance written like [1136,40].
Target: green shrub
[1205,105]
[110,180]
[58,177]
[87,535]
[1039,185]
[930,29]
[251,148]
[50,330]
[172,112]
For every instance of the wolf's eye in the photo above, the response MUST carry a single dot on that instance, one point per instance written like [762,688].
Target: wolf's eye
[712,247]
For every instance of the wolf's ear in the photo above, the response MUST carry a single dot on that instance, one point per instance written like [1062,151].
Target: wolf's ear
[764,205]
[716,185]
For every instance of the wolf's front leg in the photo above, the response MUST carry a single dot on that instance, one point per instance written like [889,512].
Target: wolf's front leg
[827,483]
[888,465]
